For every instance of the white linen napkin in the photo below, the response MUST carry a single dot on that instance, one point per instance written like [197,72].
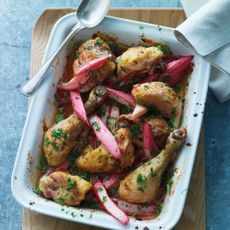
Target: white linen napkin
[207,31]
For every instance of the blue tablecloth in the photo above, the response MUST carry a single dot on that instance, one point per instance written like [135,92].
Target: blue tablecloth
[17,19]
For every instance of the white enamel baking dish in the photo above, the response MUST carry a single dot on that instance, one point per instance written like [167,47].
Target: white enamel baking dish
[41,108]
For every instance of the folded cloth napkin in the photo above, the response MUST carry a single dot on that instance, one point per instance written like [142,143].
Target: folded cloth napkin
[207,31]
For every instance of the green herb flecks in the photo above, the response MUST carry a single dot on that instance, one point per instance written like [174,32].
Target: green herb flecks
[83,143]
[60,201]
[177,88]
[101,91]
[70,184]
[37,191]
[47,142]
[88,47]
[59,117]
[99,42]
[99,188]
[164,48]
[169,184]
[135,131]
[43,164]
[142,182]
[104,199]
[96,126]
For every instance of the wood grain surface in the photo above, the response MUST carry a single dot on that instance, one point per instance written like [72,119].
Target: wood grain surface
[193,217]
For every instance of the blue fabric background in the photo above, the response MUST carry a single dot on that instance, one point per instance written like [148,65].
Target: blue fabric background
[17,19]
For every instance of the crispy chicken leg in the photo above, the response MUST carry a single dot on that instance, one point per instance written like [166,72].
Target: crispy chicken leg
[99,160]
[61,138]
[156,94]
[143,183]
[64,188]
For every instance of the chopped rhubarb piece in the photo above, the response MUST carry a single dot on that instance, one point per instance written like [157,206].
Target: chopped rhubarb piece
[175,69]
[112,180]
[78,106]
[131,209]
[76,82]
[120,97]
[93,65]
[108,204]
[148,141]
[81,76]
[105,136]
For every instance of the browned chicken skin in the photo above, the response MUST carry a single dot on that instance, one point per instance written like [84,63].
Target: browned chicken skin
[64,188]
[61,138]
[143,183]
[138,61]
[93,49]
[156,94]
[99,160]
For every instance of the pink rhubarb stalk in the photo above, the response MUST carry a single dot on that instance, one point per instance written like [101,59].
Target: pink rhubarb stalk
[78,106]
[112,180]
[81,76]
[148,141]
[108,204]
[175,69]
[120,97]
[131,209]
[105,136]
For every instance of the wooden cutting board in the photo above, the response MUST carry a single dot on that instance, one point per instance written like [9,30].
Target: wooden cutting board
[193,217]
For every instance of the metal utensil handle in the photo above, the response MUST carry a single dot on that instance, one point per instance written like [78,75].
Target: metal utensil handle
[30,87]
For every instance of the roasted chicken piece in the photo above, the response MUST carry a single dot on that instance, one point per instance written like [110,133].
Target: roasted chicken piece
[99,160]
[62,137]
[143,183]
[90,50]
[156,94]
[64,188]
[138,61]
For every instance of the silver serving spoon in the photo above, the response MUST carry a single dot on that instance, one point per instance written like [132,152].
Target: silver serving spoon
[89,14]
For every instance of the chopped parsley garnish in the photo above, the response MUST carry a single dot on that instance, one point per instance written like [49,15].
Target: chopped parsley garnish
[59,117]
[57,133]
[99,42]
[70,184]
[141,27]
[164,48]
[177,88]
[142,181]
[96,126]
[104,199]
[102,111]
[77,55]
[139,102]
[134,131]
[113,191]
[37,191]
[60,201]
[43,164]
[99,189]
[89,47]
[84,175]
[169,184]
[101,91]
[153,173]
[47,142]
[81,215]
[55,146]
[83,142]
